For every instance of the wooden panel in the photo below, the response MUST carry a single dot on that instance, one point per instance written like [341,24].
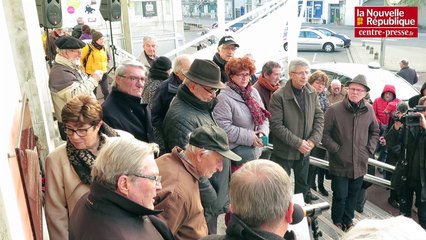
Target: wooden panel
[31,179]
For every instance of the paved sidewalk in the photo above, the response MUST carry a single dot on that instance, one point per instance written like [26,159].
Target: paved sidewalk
[393,55]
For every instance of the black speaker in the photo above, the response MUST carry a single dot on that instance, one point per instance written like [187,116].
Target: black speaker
[49,13]
[111,10]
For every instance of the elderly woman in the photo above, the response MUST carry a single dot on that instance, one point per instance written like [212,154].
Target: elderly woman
[240,111]
[68,167]
[319,80]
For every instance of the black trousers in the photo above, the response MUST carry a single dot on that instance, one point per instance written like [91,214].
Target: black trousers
[300,169]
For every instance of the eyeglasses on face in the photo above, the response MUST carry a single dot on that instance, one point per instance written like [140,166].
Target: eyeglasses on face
[81,132]
[209,90]
[156,178]
[229,47]
[241,76]
[301,73]
[133,78]
[319,82]
[356,90]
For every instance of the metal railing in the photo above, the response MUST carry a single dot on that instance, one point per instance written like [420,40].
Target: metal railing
[318,162]
[253,16]
[368,177]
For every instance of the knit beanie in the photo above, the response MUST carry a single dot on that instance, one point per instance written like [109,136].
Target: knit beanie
[96,35]
[162,63]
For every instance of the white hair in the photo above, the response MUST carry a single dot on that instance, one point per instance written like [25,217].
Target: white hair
[394,228]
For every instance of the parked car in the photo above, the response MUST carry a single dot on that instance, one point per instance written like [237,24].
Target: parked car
[376,77]
[331,33]
[234,27]
[310,39]
[237,26]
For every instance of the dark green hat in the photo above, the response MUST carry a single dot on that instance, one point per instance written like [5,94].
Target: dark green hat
[212,138]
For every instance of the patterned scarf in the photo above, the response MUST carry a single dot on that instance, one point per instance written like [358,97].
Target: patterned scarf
[83,160]
[259,114]
[97,46]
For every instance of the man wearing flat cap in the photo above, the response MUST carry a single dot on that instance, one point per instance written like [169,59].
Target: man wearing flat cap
[67,78]
[350,135]
[192,107]
[225,51]
[181,170]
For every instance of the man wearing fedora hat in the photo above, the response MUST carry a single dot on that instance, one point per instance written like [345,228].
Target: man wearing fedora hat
[181,170]
[351,133]
[225,51]
[67,78]
[192,107]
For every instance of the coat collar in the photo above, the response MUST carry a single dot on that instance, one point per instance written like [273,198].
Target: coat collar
[288,91]
[178,153]
[106,200]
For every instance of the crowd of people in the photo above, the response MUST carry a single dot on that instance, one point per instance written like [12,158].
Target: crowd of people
[174,145]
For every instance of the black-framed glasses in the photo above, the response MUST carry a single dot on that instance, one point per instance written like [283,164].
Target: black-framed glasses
[155,178]
[210,90]
[81,132]
[356,90]
[133,78]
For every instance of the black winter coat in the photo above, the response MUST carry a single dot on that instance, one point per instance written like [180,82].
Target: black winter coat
[104,214]
[125,112]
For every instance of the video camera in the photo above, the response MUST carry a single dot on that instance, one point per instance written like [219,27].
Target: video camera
[409,119]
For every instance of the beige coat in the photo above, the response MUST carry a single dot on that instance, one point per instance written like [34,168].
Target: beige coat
[63,190]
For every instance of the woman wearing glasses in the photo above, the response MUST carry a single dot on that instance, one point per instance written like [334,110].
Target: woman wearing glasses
[240,111]
[68,167]
[318,80]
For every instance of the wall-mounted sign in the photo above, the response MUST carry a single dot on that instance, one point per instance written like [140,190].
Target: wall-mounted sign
[149,9]
[386,22]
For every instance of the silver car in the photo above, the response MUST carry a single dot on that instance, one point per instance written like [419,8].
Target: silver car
[376,77]
[310,39]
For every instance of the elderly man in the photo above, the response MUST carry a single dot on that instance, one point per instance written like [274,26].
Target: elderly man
[120,202]
[149,54]
[182,169]
[296,124]
[123,108]
[268,82]
[67,79]
[351,133]
[225,51]
[409,74]
[260,193]
[76,30]
[167,91]
[336,92]
[191,108]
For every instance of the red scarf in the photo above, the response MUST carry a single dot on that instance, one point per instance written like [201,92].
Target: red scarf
[262,81]
[259,114]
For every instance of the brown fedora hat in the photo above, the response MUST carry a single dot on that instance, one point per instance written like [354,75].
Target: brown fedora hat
[206,73]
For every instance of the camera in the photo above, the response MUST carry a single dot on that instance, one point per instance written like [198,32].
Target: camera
[410,119]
